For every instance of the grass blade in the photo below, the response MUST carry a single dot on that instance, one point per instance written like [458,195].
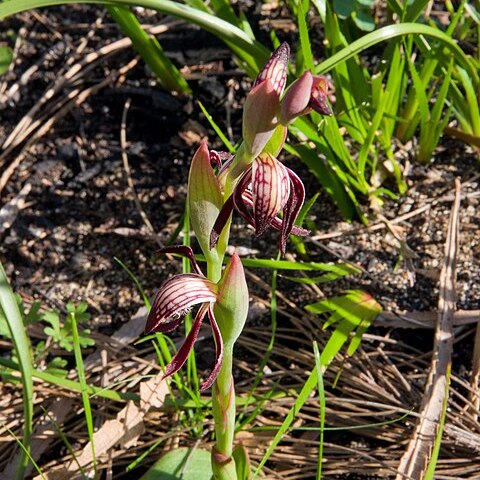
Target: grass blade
[82,379]
[71,384]
[430,472]
[386,34]
[217,129]
[25,450]
[149,49]
[323,407]
[136,281]
[306,48]
[303,396]
[22,347]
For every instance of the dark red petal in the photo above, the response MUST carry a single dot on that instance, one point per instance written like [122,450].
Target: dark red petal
[319,95]
[292,208]
[221,221]
[241,196]
[219,158]
[182,354]
[185,251]
[175,298]
[277,224]
[218,348]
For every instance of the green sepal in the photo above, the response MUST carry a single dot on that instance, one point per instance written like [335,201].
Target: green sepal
[242,462]
[231,308]
[260,112]
[205,199]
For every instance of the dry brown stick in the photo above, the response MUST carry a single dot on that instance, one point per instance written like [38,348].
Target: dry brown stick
[418,454]
[75,99]
[128,173]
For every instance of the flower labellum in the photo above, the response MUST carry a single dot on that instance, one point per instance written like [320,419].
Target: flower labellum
[309,92]
[264,190]
[270,188]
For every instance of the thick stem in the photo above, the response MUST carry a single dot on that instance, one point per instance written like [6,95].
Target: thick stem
[223,404]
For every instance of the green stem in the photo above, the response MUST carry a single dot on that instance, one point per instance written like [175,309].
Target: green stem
[223,404]
[223,393]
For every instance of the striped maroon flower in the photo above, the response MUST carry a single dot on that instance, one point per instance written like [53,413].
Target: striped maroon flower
[175,298]
[265,189]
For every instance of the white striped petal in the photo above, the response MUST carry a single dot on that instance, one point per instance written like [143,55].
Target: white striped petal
[175,299]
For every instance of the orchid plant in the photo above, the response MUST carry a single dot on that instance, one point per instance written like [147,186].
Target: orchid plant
[259,187]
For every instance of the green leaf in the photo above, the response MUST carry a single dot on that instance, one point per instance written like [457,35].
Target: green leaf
[343,8]
[242,462]
[23,350]
[57,366]
[251,52]
[337,271]
[354,311]
[149,49]
[363,20]
[6,57]
[181,464]
[54,320]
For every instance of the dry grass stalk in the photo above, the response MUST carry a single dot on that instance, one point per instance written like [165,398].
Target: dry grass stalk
[417,456]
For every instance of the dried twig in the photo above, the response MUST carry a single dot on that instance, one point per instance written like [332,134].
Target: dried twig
[417,456]
[128,173]
[9,212]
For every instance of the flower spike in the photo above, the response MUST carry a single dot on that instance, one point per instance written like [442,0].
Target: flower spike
[262,105]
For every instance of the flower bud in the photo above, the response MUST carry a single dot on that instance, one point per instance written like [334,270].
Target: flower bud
[262,105]
[307,93]
[276,69]
[260,114]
